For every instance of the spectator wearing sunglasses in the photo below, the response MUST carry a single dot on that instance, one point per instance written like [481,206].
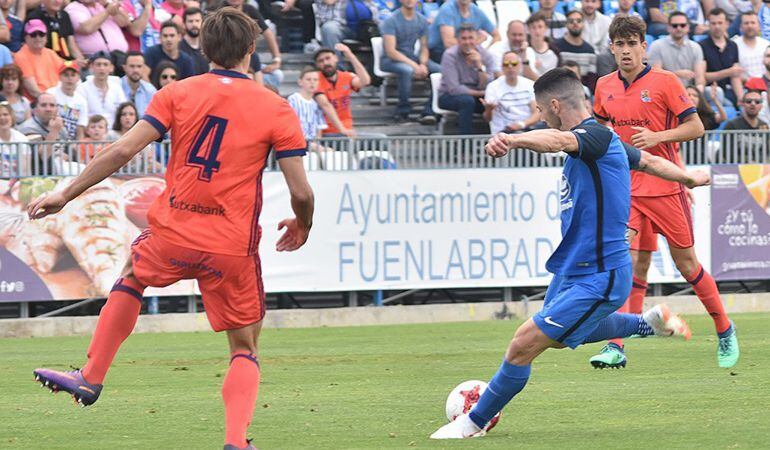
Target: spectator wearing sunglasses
[678,53]
[509,101]
[751,144]
[574,48]
[164,73]
[39,65]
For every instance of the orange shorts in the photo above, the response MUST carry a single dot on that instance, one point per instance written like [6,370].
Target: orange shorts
[231,285]
[668,215]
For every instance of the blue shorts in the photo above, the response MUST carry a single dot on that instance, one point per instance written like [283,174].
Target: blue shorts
[574,305]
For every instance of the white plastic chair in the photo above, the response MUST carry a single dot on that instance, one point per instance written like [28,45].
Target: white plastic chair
[435,83]
[508,10]
[377,51]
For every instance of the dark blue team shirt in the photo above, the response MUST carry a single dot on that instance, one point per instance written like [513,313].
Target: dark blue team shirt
[595,203]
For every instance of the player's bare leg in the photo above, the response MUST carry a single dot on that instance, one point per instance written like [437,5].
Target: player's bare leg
[116,322]
[613,355]
[706,289]
[241,385]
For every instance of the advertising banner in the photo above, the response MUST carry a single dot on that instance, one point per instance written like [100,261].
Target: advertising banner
[741,222]
[396,229]
[79,252]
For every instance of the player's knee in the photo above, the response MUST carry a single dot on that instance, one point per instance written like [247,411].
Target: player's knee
[686,266]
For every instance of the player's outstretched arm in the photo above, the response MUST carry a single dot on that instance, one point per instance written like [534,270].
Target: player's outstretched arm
[541,141]
[665,169]
[104,164]
[302,203]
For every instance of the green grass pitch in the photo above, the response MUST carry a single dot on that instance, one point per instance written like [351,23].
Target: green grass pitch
[385,387]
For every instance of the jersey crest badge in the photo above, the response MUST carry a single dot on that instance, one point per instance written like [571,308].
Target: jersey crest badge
[646,96]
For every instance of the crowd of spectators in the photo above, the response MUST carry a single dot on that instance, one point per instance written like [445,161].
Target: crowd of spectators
[75,70]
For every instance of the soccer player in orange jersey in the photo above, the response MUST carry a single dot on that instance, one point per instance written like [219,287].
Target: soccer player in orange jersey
[204,226]
[650,109]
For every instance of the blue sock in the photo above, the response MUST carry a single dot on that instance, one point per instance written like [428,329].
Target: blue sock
[507,382]
[619,325]
[727,331]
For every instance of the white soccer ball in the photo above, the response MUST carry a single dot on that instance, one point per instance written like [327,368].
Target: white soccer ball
[463,397]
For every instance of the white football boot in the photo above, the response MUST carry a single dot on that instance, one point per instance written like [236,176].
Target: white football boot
[665,323]
[460,428]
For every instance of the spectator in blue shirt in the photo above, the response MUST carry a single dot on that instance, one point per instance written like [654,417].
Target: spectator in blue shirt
[138,91]
[442,33]
[168,50]
[400,33]
[16,32]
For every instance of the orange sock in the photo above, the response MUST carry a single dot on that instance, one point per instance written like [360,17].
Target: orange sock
[706,289]
[239,391]
[116,322]
[622,309]
[636,299]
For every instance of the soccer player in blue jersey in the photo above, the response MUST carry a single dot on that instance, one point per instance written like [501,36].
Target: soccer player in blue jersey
[592,264]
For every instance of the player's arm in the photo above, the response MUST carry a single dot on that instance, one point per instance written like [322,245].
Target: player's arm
[104,164]
[665,169]
[540,141]
[688,129]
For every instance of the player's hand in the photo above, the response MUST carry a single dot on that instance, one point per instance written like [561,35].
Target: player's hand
[498,145]
[46,204]
[645,138]
[293,238]
[690,196]
[697,178]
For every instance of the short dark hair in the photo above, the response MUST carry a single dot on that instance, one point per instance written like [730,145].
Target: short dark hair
[626,27]
[191,12]
[170,24]
[537,17]
[96,118]
[466,27]
[748,13]
[227,36]
[133,53]
[717,12]
[575,11]
[561,84]
[321,51]
[569,63]
[678,14]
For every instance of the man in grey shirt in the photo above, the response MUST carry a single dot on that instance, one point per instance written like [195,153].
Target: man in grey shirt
[678,53]
[466,68]
[44,125]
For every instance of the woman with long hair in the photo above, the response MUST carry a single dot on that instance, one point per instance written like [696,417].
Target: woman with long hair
[10,88]
[710,119]
[14,152]
[164,73]
[126,117]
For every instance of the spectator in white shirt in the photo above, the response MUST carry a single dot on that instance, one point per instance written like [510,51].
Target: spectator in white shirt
[751,47]
[509,101]
[103,93]
[15,156]
[73,107]
[516,42]
[545,56]
[596,31]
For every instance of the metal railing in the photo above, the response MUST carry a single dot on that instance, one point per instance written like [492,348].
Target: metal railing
[34,159]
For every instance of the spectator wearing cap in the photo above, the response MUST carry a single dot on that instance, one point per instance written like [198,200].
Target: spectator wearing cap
[10,89]
[98,27]
[73,107]
[61,34]
[102,92]
[168,50]
[137,90]
[39,65]
[45,121]
[14,25]
[193,19]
